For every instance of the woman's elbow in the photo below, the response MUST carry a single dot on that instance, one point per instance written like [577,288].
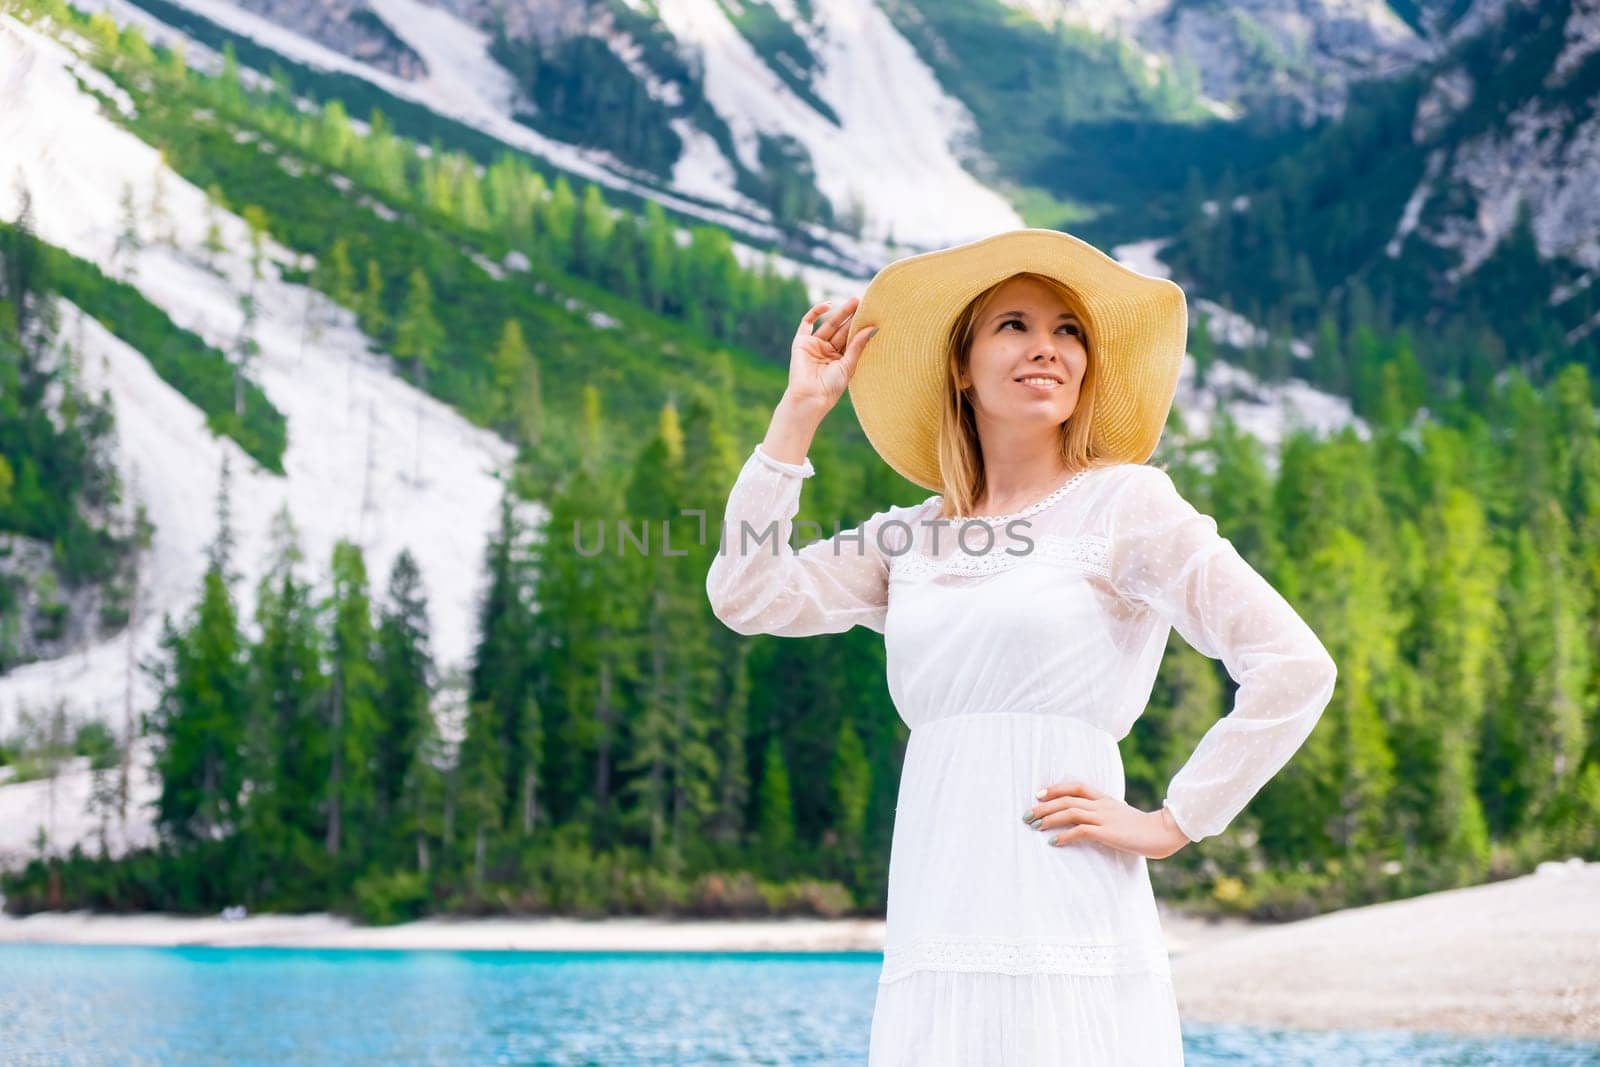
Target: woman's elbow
[733,611]
[1324,672]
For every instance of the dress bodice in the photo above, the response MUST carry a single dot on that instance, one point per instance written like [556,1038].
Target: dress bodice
[1017,613]
[1061,608]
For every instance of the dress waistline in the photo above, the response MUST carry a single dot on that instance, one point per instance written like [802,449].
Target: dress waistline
[1051,715]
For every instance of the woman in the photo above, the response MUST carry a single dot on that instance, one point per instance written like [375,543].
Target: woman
[1025,610]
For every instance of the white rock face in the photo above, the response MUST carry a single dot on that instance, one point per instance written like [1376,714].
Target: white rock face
[1546,158]
[1252,53]
[353,426]
[347,26]
[894,154]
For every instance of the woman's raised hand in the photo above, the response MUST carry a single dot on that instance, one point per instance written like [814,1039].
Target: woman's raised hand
[820,363]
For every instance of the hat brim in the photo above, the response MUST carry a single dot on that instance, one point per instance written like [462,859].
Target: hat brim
[1137,325]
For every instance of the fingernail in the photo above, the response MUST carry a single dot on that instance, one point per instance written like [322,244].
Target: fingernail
[1056,840]
[1040,794]
[1028,816]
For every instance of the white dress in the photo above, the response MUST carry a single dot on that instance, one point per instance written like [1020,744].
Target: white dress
[1019,663]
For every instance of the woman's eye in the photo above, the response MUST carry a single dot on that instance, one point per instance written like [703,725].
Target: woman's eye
[1074,327]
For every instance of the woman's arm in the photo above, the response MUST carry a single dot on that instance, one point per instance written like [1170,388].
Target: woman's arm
[758,584]
[1169,556]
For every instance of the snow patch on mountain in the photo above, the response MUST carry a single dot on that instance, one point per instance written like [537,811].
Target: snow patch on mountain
[460,75]
[353,426]
[1268,411]
[894,154]
[1412,212]
[475,94]
[62,809]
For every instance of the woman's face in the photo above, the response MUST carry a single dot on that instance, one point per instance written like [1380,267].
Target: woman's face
[1028,356]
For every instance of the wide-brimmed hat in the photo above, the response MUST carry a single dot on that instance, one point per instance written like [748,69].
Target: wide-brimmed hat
[1137,329]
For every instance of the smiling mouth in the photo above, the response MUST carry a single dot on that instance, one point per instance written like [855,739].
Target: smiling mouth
[1040,384]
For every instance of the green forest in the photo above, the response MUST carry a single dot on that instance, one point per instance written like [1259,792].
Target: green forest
[613,749]
[61,501]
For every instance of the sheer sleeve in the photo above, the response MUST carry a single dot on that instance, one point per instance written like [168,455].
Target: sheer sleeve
[1167,555]
[758,584]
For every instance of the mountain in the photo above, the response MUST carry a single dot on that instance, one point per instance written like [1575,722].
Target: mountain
[842,133]
[809,115]
[1456,202]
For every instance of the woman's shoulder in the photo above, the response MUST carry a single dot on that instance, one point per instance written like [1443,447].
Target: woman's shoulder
[1147,477]
[1117,493]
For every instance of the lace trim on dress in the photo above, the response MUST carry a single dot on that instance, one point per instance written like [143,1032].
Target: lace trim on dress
[1086,552]
[1031,955]
[1038,505]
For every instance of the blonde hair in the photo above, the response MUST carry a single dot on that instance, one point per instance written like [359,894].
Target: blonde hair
[960,452]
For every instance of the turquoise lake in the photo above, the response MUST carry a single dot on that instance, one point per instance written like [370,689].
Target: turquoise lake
[93,1005]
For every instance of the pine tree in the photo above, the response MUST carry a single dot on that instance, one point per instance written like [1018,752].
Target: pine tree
[1202,348]
[851,783]
[529,408]
[470,208]
[256,220]
[421,812]
[508,365]
[1460,659]
[213,239]
[199,723]
[245,348]
[335,276]
[500,681]
[405,681]
[160,215]
[557,219]
[369,310]
[583,633]
[711,462]
[660,246]
[481,777]
[419,338]
[775,819]
[591,233]
[287,743]
[333,135]
[352,710]
[124,253]
[176,64]
[672,758]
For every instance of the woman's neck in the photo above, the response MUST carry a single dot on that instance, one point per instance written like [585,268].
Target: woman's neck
[1010,490]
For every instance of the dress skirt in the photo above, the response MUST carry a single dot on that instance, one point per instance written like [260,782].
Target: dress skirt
[1001,948]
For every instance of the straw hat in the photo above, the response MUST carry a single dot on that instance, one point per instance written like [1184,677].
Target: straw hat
[1137,326]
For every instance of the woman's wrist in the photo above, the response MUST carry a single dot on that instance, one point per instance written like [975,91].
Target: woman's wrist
[794,424]
[1173,829]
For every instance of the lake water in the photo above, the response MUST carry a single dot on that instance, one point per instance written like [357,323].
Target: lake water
[94,1005]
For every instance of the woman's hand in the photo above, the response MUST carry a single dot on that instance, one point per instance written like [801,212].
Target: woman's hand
[1082,813]
[820,363]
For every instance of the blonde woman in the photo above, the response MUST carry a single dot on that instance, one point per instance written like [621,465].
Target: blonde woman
[1026,378]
